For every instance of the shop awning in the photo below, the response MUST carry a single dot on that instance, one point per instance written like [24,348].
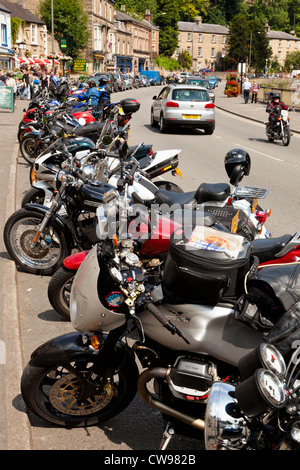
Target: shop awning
[30,60]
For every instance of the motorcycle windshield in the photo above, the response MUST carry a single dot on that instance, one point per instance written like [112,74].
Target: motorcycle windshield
[58,145]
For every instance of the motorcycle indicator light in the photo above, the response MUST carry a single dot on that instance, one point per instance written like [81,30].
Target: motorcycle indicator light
[262,215]
[94,342]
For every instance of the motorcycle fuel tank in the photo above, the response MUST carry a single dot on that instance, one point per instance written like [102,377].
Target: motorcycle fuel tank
[210,329]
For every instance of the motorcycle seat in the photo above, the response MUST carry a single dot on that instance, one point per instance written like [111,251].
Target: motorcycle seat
[266,248]
[168,197]
[94,126]
[192,218]
[212,192]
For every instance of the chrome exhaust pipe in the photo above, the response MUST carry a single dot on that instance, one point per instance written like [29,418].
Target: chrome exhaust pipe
[162,372]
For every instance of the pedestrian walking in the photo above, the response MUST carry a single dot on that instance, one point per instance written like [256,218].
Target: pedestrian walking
[246,89]
[254,90]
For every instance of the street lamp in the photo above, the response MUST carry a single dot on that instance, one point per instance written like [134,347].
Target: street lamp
[22,46]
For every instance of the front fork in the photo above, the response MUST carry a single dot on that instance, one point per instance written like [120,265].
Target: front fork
[48,215]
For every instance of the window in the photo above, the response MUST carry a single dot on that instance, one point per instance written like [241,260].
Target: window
[189,95]
[199,37]
[279,43]
[213,52]
[3,35]
[223,52]
[33,30]
[188,49]
[295,45]
[199,51]
[177,51]
[223,39]
[189,37]
[213,39]
[97,38]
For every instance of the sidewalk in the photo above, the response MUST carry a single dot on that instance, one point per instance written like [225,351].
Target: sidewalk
[255,112]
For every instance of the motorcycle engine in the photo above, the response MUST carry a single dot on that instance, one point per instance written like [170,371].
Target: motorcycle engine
[191,379]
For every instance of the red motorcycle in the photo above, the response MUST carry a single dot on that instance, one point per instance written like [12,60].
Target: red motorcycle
[269,251]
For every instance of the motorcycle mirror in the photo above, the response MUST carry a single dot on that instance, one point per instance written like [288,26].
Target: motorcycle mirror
[123,150]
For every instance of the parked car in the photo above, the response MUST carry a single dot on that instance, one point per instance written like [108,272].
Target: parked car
[203,82]
[108,76]
[214,81]
[183,106]
[120,81]
[144,81]
[128,81]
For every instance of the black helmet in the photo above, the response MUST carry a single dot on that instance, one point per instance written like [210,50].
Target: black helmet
[237,164]
[275,96]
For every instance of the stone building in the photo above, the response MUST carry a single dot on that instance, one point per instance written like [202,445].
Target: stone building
[31,40]
[281,43]
[6,51]
[204,42]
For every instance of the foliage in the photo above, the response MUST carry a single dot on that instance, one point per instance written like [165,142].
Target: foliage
[167,63]
[167,20]
[16,24]
[248,39]
[184,60]
[71,22]
[292,61]
[232,88]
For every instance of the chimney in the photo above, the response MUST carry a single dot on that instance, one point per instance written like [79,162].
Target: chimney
[123,8]
[267,27]
[198,20]
[147,15]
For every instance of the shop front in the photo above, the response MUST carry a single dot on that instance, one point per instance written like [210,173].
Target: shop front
[124,64]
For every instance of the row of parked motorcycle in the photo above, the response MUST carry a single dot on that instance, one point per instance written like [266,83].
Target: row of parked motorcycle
[212,296]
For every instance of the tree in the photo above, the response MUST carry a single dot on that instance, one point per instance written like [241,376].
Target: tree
[70,22]
[292,61]
[248,39]
[167,20]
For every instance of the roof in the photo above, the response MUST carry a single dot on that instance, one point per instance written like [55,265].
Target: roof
[3,8]
[17,11]
[121,16]
[282,35]
[202,27]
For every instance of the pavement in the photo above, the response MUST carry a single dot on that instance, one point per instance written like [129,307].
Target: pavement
[253,111]
[11,363]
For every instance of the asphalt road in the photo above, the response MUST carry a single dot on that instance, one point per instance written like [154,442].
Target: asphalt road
[139,427]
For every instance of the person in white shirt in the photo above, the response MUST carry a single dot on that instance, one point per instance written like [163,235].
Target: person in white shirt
[246,89]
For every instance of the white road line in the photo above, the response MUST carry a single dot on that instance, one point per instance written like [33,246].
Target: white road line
[261,153]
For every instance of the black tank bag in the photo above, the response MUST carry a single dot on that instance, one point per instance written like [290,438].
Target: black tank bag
[209,267]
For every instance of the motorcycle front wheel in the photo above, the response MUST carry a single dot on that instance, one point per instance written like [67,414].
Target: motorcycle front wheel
[286,136]
[51,392]
[59,290]
[28,148]
[43,257]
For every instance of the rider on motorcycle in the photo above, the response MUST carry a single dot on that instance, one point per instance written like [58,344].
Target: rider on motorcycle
[274,108]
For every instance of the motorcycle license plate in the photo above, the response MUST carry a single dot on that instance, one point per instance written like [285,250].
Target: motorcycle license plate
[191,116]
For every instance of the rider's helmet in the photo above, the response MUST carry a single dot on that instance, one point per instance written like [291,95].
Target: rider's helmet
[237,164]
[276,96]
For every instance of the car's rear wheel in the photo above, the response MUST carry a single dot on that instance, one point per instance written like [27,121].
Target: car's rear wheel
[152,120]
[209,130]
[162,125]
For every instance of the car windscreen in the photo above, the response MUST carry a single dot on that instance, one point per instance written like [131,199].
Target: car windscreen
[203,83]
[189,95]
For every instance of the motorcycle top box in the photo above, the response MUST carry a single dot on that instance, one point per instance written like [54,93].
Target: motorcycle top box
[206,265]
[130,105]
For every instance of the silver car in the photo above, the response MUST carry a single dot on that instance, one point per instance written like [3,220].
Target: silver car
[183,106]
[201,82]
[128,81]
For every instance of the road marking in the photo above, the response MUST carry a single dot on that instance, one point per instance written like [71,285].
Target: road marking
[261,153]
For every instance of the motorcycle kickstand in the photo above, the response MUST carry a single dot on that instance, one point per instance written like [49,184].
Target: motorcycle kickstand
[167,436]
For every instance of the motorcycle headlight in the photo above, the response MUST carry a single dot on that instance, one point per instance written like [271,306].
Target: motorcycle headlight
[225,427]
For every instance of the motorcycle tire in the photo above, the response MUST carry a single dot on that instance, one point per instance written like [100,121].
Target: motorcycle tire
[286,136]
[33,196]
[59,290]
[28,148]
[50,392]
[50,251]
